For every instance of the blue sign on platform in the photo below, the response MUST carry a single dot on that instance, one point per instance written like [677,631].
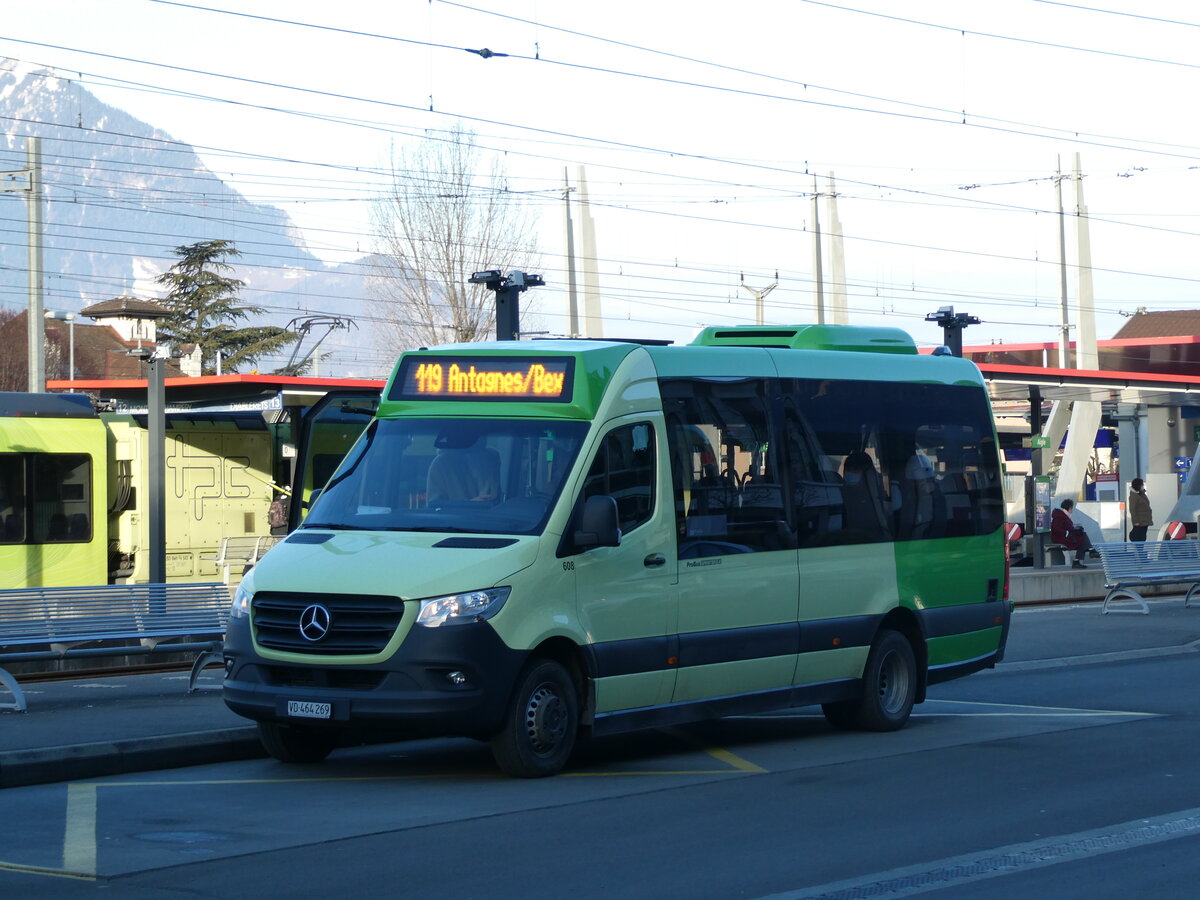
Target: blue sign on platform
[1183,462]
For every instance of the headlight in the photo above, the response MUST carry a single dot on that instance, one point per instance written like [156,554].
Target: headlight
[241,604]
[459,609]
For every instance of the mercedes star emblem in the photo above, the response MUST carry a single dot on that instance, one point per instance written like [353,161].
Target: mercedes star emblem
[314,622]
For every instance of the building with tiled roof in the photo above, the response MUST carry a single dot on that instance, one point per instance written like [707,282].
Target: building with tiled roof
[130,317]
[1159,343]
[100,351]
[1167,323]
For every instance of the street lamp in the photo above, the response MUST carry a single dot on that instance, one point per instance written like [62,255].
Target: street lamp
[508,291]
[69,318]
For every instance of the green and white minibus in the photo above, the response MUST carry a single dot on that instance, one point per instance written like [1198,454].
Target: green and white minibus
[534,541]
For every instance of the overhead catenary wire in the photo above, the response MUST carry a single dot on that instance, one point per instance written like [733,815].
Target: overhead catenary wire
[740,225]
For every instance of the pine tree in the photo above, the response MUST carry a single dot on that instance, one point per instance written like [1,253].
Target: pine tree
[203,301]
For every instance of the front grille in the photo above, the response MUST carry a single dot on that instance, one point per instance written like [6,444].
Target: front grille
[352,679]
[358,623]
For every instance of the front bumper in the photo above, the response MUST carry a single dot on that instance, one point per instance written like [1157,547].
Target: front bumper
[410,694]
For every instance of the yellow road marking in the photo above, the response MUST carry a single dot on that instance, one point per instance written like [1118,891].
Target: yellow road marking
[79,842]
[730,759]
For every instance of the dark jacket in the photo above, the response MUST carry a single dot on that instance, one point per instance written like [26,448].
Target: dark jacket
[1139,509]
[1062,530]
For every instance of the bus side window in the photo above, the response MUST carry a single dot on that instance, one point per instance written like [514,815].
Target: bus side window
[728,494]
[943,435]
[623,469]
[851,491]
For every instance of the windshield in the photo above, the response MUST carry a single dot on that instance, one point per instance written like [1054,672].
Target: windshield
[479,476]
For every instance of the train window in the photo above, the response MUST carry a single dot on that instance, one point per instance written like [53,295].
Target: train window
[60,499]
[12,498]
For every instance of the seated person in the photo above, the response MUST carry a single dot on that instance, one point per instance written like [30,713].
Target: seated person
[458,475]
[1063,530]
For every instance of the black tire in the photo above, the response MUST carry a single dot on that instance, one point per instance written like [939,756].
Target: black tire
[889,688]
[297,743]
[889,683]
[541,723]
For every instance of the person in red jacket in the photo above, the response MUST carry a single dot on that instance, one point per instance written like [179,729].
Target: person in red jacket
[1063,530]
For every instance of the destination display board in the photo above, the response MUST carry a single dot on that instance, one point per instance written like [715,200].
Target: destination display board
[548,379]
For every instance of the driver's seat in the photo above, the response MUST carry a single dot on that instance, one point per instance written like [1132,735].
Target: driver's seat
[464,475]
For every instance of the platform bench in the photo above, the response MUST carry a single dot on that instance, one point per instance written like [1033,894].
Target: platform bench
[1129,565]
[1056,554]
[241,550]
[60,622]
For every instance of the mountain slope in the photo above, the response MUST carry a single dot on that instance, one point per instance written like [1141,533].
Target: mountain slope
[120,195]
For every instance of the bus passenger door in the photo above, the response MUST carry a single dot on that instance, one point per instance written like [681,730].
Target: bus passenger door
[625,595]
[738,581]
[327,431]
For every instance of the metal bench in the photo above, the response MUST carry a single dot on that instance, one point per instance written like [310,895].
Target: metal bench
[241,550]
[1132,564]
[57,622]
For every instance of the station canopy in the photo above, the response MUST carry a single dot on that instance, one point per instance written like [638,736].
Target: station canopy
[234,393]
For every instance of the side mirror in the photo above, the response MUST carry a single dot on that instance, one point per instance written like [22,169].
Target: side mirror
[598,524]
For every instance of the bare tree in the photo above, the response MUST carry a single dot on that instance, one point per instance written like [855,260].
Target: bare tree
[441,219]
[14,352]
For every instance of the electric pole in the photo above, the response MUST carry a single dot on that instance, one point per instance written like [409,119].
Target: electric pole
[572,292]
[1064,341]
[818,274]
[28,181]
[759,294]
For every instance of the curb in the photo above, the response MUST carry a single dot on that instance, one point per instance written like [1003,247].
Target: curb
[72,762]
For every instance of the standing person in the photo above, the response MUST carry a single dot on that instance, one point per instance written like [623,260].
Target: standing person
[1063,530]
[1141,516]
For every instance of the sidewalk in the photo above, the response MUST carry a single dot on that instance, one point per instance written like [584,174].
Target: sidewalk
[92,727]
[88,728]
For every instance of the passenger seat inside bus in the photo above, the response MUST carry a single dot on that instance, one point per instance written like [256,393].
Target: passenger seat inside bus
[862,494]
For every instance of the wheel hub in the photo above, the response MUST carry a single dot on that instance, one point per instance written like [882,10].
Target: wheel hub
[545,719]
[893,683]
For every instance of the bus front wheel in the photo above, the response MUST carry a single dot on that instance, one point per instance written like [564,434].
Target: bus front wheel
[297,743]
[540,726]
[889,688]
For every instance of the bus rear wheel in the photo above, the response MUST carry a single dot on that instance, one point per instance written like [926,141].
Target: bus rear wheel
[889,688]
[541,724]
[297,743]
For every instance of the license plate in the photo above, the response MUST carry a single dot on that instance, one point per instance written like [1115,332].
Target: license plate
[305,709]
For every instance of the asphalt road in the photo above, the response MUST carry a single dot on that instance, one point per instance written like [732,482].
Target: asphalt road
[1047,778]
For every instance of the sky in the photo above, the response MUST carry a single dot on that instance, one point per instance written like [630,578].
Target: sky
[704,130]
